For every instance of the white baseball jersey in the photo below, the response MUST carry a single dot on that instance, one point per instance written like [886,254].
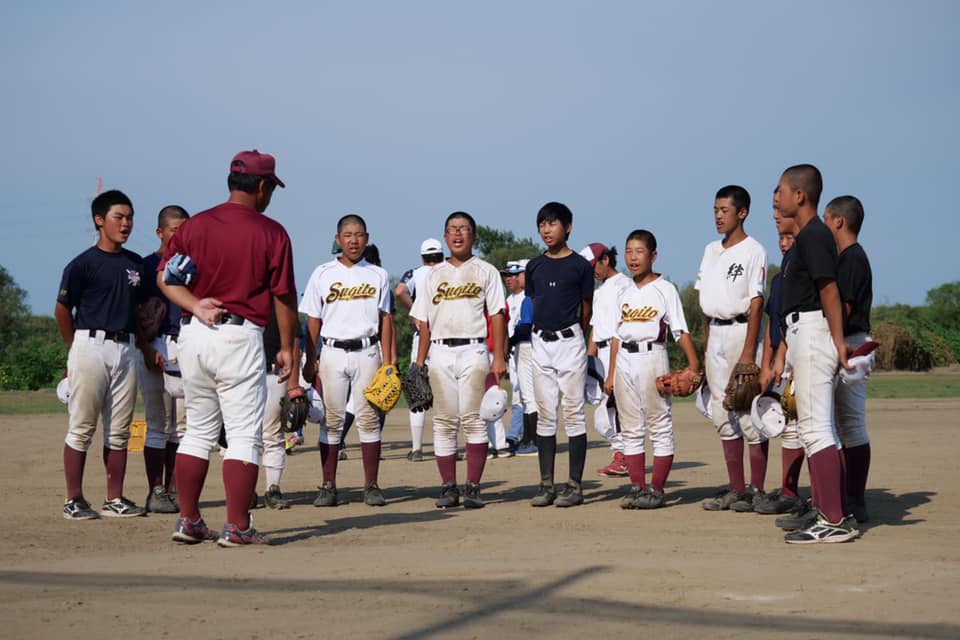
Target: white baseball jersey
[415,278]
[347,300]
[647,311]
[730,278]
[606,312]
[514,300]
[453,299]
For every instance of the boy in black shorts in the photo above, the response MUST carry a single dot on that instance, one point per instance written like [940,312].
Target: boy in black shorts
[560,284]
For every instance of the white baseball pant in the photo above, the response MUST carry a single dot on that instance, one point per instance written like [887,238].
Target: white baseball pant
[496,434]
[724,347]
[851,401]
[642,408]
[224,382]
[457,376]
[815,361]
[163,414]
[417,418]
[604,417]
[102,375]
[560,366]
[341,370]
[274,443]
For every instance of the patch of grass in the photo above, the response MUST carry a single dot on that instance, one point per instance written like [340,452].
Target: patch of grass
[913,385]
[22,403]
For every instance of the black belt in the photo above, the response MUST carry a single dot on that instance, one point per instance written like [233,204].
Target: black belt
[116,336]
[637,347]
[226,318]
[552,336]
[459,342]
[351,345]
[603,344]
[740,319]
[794,316]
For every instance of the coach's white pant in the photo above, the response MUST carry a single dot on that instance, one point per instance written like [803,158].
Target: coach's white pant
[559,367]
[102,375]
[224,381]
[341,371]
[165,416]
[851,403]
[815,362]
[457,378]
[724,347]
[642,409]
[604,417]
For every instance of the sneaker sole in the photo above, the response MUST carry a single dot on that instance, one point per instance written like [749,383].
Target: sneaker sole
[228,544]
[184,538]
[111,514]
[853,535]
[470,504]
[564,504]
[93,516]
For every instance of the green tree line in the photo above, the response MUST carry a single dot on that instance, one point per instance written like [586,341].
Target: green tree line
[32,354]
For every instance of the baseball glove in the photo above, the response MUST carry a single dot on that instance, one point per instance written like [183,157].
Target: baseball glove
[679,383]
[743,387]
[416,388]
[788,400]
[294,409]
[384,390]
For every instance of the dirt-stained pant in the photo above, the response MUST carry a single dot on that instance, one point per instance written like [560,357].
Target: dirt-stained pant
[560,366]
[341,371]
[724,347]
[457,377]
[642,409]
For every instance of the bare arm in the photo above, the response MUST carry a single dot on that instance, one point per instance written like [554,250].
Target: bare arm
[591,345]
[388,338]
[207,310]
[498,325]
[586,315]
[285,307]
[310,349]
[423,346]
[402,294]
[614,350]
[754,320]
[766,358]
[64,317]
[832,309]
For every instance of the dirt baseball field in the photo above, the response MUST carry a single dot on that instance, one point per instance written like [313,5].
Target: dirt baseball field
[409,570]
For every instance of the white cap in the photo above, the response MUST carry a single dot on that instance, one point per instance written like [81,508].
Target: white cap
[316,412]
[493,405]
[766,414]
[593,382]
[63,391]
[430,245]
[173,385]
[861,363]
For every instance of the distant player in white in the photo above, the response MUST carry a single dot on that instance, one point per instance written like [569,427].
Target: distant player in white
[523,412]
[606,315]
[731,282]
[452,307]
[648,308]
[431,253]
[347,303]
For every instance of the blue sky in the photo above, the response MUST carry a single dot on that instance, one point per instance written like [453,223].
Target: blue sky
[632,113]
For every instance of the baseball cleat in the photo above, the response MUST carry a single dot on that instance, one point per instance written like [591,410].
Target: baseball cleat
[617,467]
[159,501]
[327,497]
[192,532]
[342,455]
[373,496]
[652,498]
[121,508]
[747,500]
[415,455]
[449,496]
[471,496]
[775,502]
[722,501]
[629,501]
[231,536]
[78,509]
[527,449]
[274,499]
[823,531]
[800,518]
[570,496]
[545,497]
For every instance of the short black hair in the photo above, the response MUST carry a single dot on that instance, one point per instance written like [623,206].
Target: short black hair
[555,211]
[246,182]
[648,238]
[102,203]
[611,255]
[461,214]
[806,178]
[850,209]
[739,196]
[169,213]
[372,254]
[351,218]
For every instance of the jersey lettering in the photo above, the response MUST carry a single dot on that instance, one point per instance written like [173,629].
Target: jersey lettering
[446,292]
[735,271]
[359,292]
[645,313]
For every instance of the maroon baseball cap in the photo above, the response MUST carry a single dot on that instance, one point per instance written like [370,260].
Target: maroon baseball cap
[593,251]
[255,163]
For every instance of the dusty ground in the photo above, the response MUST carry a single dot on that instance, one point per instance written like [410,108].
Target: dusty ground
[507,571]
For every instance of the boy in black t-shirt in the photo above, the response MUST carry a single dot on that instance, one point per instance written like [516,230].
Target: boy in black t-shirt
[95,313]
[844,217]
[812,312]
[560,284]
